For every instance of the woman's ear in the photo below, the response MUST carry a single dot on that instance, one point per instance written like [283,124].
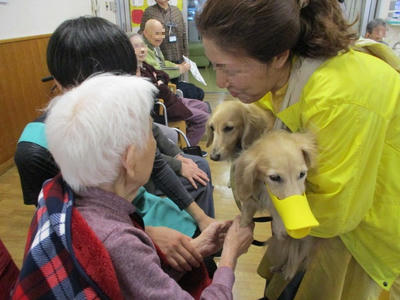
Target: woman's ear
[278,61]
[129,161]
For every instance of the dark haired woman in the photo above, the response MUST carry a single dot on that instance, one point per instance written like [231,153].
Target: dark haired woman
[295,58]
[77,49]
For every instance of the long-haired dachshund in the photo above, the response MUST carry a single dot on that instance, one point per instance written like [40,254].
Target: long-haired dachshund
[278,160]
[234,126]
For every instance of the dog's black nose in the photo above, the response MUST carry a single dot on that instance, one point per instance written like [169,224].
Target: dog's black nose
[215,157]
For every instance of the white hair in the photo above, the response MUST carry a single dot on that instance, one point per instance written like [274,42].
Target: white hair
[89,128]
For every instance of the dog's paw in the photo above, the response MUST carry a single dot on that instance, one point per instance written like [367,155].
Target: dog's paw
[244,222]
[275,269]
[289,271]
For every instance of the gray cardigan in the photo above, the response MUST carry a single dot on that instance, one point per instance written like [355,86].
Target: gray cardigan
[168,149]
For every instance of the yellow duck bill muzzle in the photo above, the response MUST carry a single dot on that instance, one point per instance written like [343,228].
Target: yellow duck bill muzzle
[296,214]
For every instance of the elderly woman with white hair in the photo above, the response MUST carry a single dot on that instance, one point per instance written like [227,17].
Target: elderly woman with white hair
[86,238]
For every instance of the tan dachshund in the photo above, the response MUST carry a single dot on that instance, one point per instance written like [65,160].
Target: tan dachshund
[279,160]
[234,126]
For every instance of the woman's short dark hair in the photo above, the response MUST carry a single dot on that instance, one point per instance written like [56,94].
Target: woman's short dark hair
[86,45]
[264,28]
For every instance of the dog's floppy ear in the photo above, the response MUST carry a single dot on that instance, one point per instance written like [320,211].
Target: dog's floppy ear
[245,176]
[209,134]
[308,145]
[251,128]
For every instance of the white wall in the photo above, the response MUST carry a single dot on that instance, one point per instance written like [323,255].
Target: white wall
[107,10]
[20,18]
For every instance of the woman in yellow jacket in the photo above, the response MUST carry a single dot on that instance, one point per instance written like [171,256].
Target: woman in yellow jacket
[351,101]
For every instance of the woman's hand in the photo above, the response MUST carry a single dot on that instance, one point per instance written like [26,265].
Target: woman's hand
[192,172]
[177,247]
[212,238]
[184,159]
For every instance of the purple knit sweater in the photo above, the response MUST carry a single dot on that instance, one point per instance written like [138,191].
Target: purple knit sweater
[134,256]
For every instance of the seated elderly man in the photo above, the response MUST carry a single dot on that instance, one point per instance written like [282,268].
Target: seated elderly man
[154,34]
[193,111]
[86,238]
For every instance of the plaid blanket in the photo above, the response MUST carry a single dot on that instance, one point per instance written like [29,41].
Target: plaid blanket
[59,264]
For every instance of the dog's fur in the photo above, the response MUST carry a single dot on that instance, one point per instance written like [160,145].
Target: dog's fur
[279,160]
[234,126]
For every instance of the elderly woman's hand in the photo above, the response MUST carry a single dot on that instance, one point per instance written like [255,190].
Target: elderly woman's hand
[177,247]
[237,242]
[212,238]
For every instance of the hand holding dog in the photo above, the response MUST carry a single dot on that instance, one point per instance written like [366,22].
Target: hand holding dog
[237,242]
[212,238]
[177,247]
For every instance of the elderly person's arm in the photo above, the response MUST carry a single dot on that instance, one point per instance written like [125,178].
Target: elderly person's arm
[161,75]
[170,68]
[180,253]
[181,165]
[165,178]
[35,165]
[142,276]
[166,147]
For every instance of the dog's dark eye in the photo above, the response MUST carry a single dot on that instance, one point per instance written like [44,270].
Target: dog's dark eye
[212,128]
[302,174]
[228,128]
[275,178]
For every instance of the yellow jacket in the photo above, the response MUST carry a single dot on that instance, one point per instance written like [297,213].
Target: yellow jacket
[351,102]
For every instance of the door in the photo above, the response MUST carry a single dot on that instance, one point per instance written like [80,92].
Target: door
[115,11]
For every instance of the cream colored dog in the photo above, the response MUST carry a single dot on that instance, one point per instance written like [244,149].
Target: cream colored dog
[234,126]
[279,160]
